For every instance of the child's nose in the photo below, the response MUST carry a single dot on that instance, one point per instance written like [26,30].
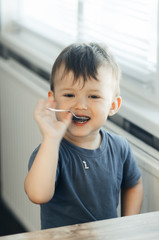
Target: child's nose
[81,103]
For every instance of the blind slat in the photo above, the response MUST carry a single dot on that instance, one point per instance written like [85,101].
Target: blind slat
[128,27]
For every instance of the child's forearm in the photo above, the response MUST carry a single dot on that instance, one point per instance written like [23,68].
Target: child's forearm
[131,199]
[40,181]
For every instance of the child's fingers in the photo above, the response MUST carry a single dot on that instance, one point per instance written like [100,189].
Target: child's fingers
[62,125]
[43,104]
[39,106]
[67,119]
[50,102]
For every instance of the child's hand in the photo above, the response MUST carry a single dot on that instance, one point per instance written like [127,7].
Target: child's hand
[49,125]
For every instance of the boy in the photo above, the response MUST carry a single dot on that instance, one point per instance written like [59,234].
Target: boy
[78,170]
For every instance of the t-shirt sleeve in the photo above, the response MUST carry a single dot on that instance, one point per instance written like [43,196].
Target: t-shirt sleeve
[131,171]
[32,157]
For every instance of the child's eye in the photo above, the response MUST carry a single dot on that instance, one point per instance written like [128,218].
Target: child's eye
[94,96]
[69,95]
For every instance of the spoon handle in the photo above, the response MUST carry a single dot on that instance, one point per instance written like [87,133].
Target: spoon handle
[61,110]
[57,110]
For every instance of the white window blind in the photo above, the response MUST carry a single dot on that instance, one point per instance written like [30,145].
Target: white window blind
[129,27]
[53,19]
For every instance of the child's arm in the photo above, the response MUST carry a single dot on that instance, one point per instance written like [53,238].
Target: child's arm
[131,199]
[40,180]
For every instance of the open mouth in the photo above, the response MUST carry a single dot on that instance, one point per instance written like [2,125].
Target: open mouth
[80,119]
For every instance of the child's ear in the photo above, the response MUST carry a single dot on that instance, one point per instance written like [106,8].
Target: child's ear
[116,104]
[50,94]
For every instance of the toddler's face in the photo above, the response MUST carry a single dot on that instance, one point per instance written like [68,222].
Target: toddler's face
[92,99]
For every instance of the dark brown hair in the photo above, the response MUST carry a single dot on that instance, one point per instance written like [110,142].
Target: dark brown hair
[84,59]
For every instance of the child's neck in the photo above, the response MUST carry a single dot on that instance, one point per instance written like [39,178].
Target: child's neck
[87,143]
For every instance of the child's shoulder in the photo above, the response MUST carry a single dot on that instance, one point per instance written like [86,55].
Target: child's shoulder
[118,145]
[115,140]
[114,136]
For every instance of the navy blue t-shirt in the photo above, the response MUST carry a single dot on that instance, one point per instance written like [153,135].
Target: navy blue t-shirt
[88,182]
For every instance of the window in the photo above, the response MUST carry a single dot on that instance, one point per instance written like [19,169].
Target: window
[129,27]
[51,18]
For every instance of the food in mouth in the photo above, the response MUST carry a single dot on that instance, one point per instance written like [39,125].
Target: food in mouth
[80,119]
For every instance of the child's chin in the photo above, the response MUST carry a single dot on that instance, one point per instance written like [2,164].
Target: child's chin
[78,132]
